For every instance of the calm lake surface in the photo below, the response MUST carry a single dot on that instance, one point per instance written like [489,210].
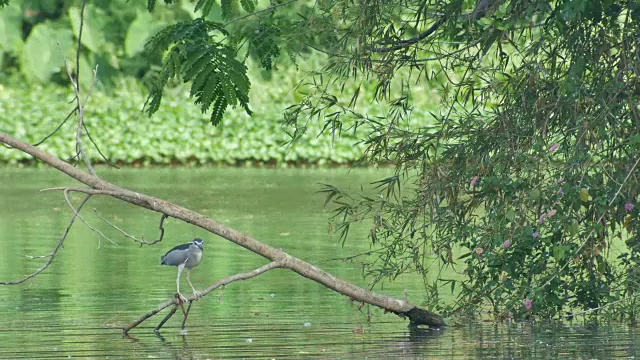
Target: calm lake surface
[96,286]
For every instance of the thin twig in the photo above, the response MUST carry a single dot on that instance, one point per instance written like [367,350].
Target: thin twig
[94,191]
[55,250]
[176,300]
[126,234]
[107,161]
[270,8]
[79,145]
[406,43]
[58,127]
[84,3]
[80,104]
[161,227]
[77,214]
[351,257]
[603,306]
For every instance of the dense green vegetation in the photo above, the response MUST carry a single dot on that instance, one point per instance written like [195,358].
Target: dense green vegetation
[177,134]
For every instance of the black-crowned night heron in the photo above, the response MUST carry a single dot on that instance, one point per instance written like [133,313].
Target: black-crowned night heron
[185,256]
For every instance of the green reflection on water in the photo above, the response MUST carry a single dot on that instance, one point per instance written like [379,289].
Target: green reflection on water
[95,287]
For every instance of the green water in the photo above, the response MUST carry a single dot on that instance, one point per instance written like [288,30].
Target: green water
[77,307]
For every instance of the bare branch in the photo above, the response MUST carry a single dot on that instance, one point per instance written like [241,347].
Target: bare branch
[126,234]
[161,227]
[58,127]
[107,161]
[75,82]
[177,301]
[76,213]
[79,128]
[84,3]
[55,250]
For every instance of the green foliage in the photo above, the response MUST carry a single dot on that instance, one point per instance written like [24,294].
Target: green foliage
[177,134]
[92,31]
[524,188]
[228,8]
[248,5]
[193,54]
[113,36]
[151,4]
[141,29]
[41,57]
[10,34]
[264,44]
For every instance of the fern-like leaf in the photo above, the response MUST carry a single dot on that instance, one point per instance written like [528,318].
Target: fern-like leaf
[218,110]
[218,79]
[208,74]
[229,8]
[204,6]
[264,44]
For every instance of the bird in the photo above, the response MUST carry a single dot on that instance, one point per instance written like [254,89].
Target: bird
[185,256]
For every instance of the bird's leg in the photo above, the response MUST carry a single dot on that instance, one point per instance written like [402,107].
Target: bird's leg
[195,293]
[180,268]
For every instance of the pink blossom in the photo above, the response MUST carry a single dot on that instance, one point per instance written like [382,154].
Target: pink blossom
[479,251]
[542,217]
[559,180]
[561,192]
[506,244]
[528,304]
[536,235]
[474,180]
[554,147]
[551,213]
[628,206]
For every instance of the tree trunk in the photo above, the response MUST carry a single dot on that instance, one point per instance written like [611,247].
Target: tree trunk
[98,186]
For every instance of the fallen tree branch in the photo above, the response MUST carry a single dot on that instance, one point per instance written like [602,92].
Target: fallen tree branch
[99,186]
[176,301]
